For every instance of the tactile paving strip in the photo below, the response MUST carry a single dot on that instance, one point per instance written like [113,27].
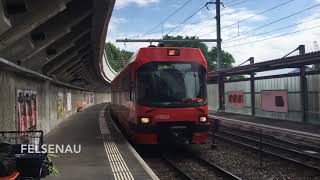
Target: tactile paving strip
[118,165]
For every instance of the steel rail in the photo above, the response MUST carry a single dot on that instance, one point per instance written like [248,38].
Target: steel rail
[177,169]
[272,145]
[268,152]
[208,163]
[273,138]
[220,169]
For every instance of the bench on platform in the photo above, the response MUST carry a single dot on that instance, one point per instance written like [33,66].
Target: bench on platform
[79,105]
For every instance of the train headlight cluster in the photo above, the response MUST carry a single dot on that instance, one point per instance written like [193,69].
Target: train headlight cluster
[145,120]
[203,119]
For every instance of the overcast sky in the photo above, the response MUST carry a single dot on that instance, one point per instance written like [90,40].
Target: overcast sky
[133,18]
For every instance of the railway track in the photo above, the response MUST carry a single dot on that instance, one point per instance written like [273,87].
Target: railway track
[275,149]
[274,139]
[299,138]
[179,171]
[196,167]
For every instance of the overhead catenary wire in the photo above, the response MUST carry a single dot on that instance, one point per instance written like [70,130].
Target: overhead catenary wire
[186,19]
[265,11]
[168,17]
[200,5]
[184,33]
[250,17]
[274,30]
[230,2]
[206,24]
[278,36]
[276,21]
[186,30]
[198,22]
[235,4]
[171,29]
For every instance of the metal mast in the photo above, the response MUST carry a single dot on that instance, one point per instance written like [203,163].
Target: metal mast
[219,63]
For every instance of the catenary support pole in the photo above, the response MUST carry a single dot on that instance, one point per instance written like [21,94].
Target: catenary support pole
[252,89]
[219,61]
[303,87]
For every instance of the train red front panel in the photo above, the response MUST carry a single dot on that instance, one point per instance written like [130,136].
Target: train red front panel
[159,115]
[171,115]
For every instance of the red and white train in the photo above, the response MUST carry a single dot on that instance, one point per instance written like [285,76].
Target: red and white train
[161,96]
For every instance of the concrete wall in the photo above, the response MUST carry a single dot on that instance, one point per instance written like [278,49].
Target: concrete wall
[102,97]
[47,100]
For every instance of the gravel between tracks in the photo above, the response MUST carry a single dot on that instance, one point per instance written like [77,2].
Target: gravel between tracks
[161,169]
[196,170]
[238,160]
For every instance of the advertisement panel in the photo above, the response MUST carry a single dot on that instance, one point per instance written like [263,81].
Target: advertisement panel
[274,100]
[33,122]
[27,95]
[92,98]
[69,104]
[26,110]
[235,99]
[60,104]
[87,98]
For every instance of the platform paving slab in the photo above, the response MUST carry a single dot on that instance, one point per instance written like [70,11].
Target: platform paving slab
[94,162]
[81,128]
[138,168]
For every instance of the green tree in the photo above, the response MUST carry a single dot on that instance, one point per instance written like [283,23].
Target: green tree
[226,58]
[117,58]
[316,67]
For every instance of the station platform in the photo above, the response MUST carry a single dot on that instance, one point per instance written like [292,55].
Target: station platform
[293,131]
[105,153]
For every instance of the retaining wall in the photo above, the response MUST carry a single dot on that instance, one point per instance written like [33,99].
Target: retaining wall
[45,113]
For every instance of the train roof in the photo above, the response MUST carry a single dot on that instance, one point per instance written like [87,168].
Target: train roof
[161,54]
[151,54]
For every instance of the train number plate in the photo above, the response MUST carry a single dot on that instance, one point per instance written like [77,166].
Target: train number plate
[161,116]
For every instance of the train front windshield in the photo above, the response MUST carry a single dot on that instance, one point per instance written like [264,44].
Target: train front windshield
[162,84]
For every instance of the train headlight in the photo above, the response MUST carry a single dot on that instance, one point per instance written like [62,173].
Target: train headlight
[203,119]
[145,120]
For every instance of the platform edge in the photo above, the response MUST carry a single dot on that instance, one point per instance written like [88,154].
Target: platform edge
[133,151]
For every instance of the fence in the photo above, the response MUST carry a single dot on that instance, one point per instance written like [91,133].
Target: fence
[290,84]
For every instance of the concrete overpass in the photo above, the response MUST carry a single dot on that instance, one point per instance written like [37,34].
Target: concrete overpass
[52,48]
[52,61]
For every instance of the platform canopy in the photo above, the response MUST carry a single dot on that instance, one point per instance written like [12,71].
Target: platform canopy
[62,40]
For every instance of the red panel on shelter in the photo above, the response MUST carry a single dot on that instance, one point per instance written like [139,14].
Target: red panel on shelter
[274,100]
[235,99]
